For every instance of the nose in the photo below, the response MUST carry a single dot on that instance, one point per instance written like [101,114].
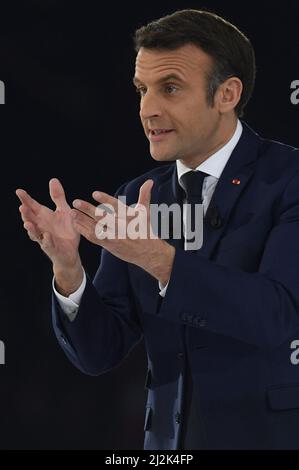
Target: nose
[150,106]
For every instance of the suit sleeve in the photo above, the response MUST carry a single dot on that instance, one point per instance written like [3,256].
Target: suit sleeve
[106,326]
[260,308]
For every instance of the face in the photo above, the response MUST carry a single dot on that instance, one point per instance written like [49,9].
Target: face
[173,98]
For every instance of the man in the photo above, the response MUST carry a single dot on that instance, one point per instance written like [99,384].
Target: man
[218,322]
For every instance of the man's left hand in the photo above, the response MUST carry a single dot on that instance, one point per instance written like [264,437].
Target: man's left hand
[116,231]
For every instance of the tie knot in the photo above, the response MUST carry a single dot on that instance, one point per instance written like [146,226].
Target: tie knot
[192,183]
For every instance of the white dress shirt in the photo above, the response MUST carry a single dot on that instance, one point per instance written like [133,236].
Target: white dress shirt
[213,166]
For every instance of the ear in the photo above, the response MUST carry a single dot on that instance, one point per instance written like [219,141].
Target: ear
[228,95]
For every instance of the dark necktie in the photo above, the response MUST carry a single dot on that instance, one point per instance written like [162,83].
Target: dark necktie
[192,183]
[192,431]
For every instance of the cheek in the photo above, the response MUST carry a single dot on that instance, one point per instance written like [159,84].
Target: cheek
[193,111]
[199,117]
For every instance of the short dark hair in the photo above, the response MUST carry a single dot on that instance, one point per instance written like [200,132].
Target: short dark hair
[230,49]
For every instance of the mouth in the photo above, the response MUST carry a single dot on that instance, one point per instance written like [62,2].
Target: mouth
[156,135]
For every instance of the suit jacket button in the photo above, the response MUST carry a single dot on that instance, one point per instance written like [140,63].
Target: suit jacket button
[216,222]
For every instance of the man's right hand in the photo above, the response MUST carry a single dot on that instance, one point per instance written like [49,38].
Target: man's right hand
[55,233]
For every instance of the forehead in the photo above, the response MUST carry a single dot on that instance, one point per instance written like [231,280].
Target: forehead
[187,61]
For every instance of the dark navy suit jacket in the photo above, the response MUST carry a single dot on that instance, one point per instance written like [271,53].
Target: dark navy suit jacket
[231,309]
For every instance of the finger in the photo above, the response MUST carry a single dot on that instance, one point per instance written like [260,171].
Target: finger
[27,200]
[145,194]
[104,198]
[87,231]
[32,232]
[57,194]
[26,213]
[85,207]
[30,227]
[33,237]
[83,219]
[101,231]
[47,243]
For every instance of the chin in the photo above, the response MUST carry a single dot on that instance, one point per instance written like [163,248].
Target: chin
[160,157]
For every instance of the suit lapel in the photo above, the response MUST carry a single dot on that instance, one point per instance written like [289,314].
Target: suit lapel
[232,182]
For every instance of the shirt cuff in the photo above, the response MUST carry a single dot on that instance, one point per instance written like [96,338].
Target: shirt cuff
[70,304]
[163,289]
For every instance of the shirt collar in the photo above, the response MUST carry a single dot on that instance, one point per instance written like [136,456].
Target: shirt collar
[214,165]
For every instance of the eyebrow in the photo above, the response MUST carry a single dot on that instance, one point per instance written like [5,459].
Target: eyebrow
[167,78]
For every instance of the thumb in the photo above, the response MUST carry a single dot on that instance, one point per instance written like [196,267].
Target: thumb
[145,194]
[57,194]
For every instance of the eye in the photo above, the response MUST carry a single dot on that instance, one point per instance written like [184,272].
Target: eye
[170,89]
[141,90]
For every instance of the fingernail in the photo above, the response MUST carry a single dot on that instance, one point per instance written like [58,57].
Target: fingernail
[76,203]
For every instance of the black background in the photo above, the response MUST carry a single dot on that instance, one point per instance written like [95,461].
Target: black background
[71,112]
